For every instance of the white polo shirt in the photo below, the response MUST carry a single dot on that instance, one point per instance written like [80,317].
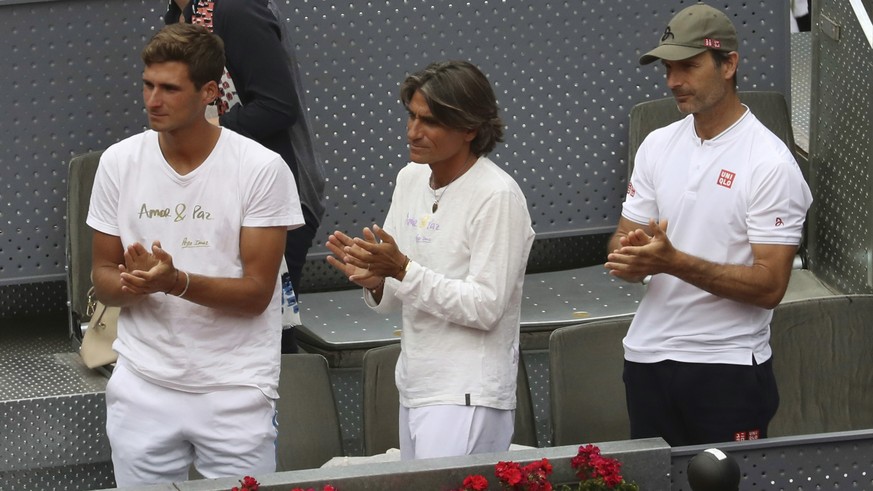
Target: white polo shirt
[720,196]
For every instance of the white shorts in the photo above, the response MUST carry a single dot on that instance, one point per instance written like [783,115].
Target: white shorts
[451,430]
[156,433]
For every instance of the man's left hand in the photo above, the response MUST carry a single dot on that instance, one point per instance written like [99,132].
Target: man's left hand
[378,252]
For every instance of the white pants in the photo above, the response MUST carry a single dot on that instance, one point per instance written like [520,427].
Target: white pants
[450,430]
[156,433]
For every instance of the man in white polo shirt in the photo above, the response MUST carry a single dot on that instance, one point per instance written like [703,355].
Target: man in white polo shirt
[714,212]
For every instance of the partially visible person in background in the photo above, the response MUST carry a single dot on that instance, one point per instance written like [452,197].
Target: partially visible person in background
[800,15]
[262,98]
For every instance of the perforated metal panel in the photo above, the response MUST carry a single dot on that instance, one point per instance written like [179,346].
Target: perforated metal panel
[841,150]
[347,384]
[32,298]
[70,84]
[52,411]
[801,78]
[536,362]
[833,461]
[565,73]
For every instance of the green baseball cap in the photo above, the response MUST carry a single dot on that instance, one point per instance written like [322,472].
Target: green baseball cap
[692,31]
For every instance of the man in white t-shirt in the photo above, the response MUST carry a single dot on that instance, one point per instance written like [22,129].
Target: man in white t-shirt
[189,227]
[452,255]
[714,213]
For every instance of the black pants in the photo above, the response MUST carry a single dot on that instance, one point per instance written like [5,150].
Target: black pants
[297,244]
[698,403]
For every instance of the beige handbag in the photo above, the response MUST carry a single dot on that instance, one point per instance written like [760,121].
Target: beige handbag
[102,329]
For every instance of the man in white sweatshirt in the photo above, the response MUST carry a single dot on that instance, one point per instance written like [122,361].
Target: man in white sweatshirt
[452,254]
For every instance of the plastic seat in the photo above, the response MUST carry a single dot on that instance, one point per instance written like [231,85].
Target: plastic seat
[381,401]
[818,347]
[80,180]
[525,422]
[309,430]
[586,391]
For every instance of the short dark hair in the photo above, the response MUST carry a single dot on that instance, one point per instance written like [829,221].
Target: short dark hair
[460,97]
[720,57]
[192,45]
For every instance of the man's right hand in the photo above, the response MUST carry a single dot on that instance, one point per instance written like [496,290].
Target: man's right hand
[337,243]
[145,272]
[628,235]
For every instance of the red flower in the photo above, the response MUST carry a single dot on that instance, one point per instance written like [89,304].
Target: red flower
[590,465]
[536,475]
[532,477]
[509,473]
[475,483]
[248,483]
[328,487]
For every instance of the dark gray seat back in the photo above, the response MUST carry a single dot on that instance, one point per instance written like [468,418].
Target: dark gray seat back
[80,180]
[586,390]
[381,400]
[820,357]
[309,430]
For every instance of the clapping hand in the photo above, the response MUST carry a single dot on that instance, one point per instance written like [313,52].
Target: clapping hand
[145,272]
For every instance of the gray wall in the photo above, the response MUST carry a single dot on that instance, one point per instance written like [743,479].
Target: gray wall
[565,72]
[841,148]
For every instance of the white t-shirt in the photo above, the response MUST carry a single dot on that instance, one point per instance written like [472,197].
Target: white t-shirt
[461,297]
[197,217]
[719,196]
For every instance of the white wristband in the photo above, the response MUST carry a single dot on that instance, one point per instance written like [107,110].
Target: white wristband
[187,284]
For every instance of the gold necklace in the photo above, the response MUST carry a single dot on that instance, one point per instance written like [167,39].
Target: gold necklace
[436,199]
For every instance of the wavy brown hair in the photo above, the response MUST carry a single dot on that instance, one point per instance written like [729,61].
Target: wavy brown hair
[460,97]
[192,45]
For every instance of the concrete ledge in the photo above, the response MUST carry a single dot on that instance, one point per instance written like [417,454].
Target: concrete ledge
[643,461]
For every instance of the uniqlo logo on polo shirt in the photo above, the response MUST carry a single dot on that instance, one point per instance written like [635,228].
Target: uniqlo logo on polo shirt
[726,178]
[741,436]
